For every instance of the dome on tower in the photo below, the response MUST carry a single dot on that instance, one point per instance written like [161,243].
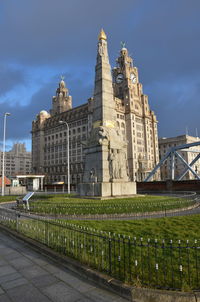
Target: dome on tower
[62,84]
[42,116]
[44,112]
[102,35]
[123,47]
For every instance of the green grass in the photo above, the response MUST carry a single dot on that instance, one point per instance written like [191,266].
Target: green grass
[175,228]
[8,198]
[65,198]
[65,205]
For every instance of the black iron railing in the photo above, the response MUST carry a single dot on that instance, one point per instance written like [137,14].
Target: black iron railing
[141,262]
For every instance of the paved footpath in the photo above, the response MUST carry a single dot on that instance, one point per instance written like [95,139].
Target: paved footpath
[27,276]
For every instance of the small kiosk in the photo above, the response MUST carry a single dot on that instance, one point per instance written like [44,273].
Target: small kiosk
[32,182]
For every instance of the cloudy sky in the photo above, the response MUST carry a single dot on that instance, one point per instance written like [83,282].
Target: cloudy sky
[44,39]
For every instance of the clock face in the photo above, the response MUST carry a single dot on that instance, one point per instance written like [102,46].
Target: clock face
[133,78]
[119,78]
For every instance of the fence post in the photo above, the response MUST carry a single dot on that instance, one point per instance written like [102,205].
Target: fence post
[196,263]
[110,255]
[129,257]
[17,221]
[124,252]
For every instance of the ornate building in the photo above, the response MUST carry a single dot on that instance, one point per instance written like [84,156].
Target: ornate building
[134,121]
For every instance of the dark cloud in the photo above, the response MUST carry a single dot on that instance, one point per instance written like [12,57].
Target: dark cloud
[20,122]
[177,108]
[162,36]
[165,40]
[39,31]
[9,78]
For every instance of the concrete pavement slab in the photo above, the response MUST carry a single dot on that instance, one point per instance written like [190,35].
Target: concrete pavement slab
[10,277]
[4,298]
[33,271]
[21,262]
[85,300]
[44,281]
[6,250]
[6,270]
[27,293]
[51,268]
[12,256]
[60,292]
[1,291]
[13,283]
[2,261]
[40,261]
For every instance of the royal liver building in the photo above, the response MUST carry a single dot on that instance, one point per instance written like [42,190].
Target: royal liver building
[132,119]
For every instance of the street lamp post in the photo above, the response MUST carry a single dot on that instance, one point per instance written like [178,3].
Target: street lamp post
[4,147]
[68,168]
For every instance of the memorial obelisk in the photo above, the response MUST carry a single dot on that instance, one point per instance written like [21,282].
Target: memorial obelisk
[106,169]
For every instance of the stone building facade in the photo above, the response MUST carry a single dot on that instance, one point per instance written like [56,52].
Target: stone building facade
[134,120]
[17,161]
[188,154]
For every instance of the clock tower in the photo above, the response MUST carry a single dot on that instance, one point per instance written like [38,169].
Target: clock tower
[136,121]
[126,82]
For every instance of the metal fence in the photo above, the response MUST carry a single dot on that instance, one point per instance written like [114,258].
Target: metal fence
[185,203]
[153,263]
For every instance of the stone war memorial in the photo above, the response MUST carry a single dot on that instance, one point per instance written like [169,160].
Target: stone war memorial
[106,168]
